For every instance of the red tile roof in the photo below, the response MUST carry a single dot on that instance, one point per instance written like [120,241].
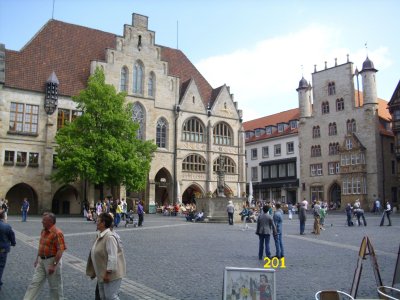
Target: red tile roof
[68,50]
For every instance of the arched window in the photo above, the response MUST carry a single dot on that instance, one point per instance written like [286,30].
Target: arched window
[340,104]
[333,148]
[227,162]
[138,78]
[222,134]
[124,79]
[316,132]
[315,151]
[151,85]
[193,131]
[161,134]
[325,107]
[332,129]
[351,126]
[139,117]
[194,163]
[331,88]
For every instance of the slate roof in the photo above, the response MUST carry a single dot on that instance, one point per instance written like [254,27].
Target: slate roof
[68,49]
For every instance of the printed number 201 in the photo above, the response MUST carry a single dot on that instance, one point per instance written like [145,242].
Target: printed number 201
[274,263]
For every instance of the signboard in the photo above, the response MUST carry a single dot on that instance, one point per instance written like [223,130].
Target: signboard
[248,283]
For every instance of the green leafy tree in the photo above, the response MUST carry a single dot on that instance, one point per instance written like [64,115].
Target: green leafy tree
[101,145]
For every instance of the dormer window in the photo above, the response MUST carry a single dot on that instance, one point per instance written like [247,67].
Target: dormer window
[281,127]
[268,130]
[258,132]
[293,124]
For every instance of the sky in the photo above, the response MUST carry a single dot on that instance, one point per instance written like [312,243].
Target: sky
[259,48]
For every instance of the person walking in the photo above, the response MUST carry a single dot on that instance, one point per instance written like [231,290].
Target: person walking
[265,226]
[25,209]
[106,260]
[360,214]
[349,214]
[387,212]
[118,212]
[140,213]
[278,219]
[48,262]
[7,239]
[316,212]
[4,208]
[302,217]
[230,209]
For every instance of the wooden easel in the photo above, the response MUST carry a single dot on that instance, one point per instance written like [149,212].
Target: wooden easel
[365,245]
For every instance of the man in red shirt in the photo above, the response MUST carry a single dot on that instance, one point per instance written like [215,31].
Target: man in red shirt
[48,261]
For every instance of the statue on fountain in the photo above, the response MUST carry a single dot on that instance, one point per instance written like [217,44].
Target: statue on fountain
[221,178]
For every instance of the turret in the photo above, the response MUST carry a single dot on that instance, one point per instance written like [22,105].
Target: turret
[369,82]
[304,98]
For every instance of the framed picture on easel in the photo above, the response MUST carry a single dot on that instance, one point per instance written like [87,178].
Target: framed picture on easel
[248,283]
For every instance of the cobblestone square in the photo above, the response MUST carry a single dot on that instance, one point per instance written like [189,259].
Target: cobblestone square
[170,258]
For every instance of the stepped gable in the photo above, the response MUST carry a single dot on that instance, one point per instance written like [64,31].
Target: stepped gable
[64,48]
[180,66]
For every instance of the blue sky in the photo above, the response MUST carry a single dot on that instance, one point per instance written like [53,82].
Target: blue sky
[258,48]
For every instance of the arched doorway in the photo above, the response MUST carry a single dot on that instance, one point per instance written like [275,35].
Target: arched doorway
[65,201]
[188,195]
[16,195]
[164,186]
[335,196]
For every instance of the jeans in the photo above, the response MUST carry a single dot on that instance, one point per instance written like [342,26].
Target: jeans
[3,260]
[140,219]
[349,220]
[109,291]
[264,239]
[24,215]
[117,219]
[279,245]
[361,215]
[230,218]
[302,226]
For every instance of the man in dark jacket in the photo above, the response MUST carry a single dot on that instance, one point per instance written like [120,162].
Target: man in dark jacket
[302,217]
[265,226]
[7,238]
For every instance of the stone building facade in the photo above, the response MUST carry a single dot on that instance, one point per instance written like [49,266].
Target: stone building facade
[272,157]
[193,124]
[345,139]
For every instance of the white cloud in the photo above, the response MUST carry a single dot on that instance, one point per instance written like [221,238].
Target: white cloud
[264,77]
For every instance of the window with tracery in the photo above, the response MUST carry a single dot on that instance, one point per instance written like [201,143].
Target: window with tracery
[124,79]
[227,162]
[332,129]
[138,78]
[316,132]
[161,134]
[333,148]
[339,104]
[138,116]
[351,126]
[193,131]
[222,134]
[315,151]
[325,107]
[194,163]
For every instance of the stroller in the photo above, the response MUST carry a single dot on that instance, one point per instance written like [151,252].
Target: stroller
[129,219]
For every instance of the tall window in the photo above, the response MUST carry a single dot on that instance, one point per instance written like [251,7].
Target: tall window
[138,78]
[254,153]
[332,129]
[124,79]
[254,173]
[24,118]
[339,104]
[351,126]
[227,162]
[193,131]
[316,133]
[325,107]
[265,151]
[161,134]
[138,116]
[289,147]
[277,150]
[194,163]
[222,134]
[151,85]
[331,88]
[9,158]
